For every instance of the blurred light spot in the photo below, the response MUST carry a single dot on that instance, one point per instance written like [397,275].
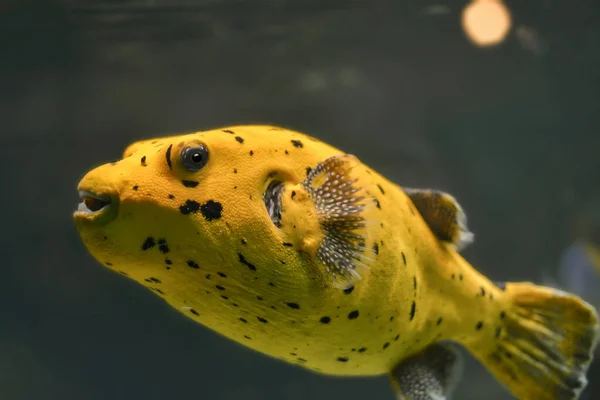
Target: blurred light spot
[436,9]
[486,22]
[314,81]
[530,40]
[349,77]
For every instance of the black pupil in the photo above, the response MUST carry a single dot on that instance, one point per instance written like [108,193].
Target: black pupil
[197,157]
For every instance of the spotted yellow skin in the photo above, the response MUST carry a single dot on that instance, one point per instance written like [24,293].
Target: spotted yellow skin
[259,285]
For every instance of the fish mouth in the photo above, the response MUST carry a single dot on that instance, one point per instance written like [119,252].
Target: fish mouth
[272,199]
[93,204]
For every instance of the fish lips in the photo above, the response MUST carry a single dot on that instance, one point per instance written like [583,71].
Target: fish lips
[96,207]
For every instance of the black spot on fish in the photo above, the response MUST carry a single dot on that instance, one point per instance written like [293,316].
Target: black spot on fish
[239,139]
[135,187]
[190,206]
[376,249]
[479,325]
[143,161]
[224,297]
[460,277]
[259,298]
[171,197]
[293,194]
[211,210]
[386,345]
[222,274]
[271,284]
[498,332]
[228,131]
[245,262]
[247,337]
[380,189]
[502,315]
[192,264]
[362,350]
[297,143]
[293,305]
[325,320]
[148,243]
[194,311]
[153,279]
[342,359]
[453,276]
[162,246]
[353,314]
[308,169]
[286,244]
[482,291]
[415,283]
[123,273]
[168,156]
[244,241]
[302,360]
[219,287]
[243,320]
[500,285]
[439,321]
[413,310]
[287,152]
[251,153]
[261,319]
[403,257]
[190,184]
[108,263]
[391,318]
[207,276]
[377,204]
[396,338]
[349,290]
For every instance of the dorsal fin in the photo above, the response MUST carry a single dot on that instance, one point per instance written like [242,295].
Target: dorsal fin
[443,214]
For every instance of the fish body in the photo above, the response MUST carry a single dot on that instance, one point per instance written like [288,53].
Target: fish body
[295,249]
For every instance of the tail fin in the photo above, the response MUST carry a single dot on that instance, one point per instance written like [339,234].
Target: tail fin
[545,345]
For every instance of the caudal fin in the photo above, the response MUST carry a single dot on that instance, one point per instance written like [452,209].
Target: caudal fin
[545,343]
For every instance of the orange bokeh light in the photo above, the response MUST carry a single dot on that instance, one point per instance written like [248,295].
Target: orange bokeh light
[486,22]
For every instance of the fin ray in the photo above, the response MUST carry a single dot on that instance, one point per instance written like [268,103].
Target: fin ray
[340,202]
[443,214]
[429,375]
[546,345]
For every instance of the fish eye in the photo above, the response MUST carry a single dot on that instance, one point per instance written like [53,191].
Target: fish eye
[194,158]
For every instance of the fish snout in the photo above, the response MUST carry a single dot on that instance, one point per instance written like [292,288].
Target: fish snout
[98,195]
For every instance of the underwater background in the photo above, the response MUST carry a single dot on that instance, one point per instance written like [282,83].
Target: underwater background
[510,125]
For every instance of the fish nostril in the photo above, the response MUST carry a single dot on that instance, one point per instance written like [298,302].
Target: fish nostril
[94,204]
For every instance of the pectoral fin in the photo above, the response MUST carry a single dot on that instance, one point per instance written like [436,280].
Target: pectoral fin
[443,214]
[429,375]
[340,200]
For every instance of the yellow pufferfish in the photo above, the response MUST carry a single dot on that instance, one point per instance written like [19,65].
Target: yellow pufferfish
[299,251]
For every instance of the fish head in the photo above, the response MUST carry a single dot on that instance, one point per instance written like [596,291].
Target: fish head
[238,204]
